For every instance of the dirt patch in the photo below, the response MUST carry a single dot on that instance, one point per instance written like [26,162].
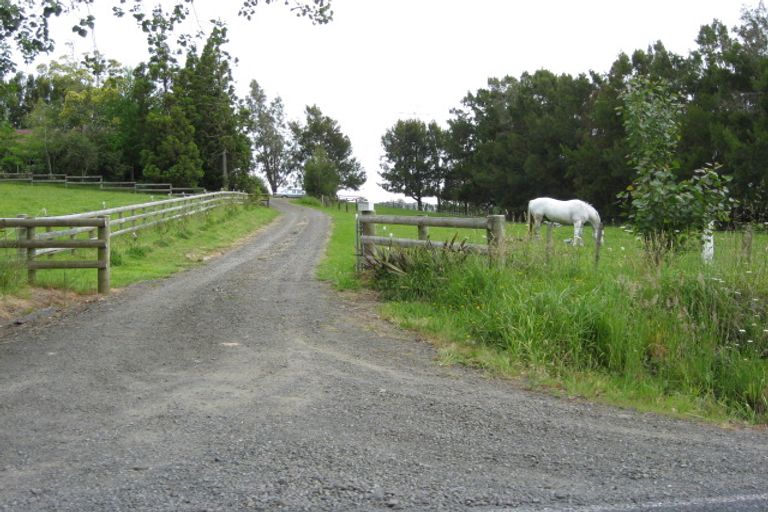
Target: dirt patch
[14,309]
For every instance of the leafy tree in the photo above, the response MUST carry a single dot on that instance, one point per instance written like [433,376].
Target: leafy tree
[727,117]
[411,163]
[205,90]
[269,137]
[663,210]
[76,153]
[174,157]
[250,184]
[322,131]
[510,142]
[43,122]
[25,25]
[320,176]
[438,158]
[14,149]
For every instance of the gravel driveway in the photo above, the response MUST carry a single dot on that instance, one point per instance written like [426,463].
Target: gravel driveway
[246,384]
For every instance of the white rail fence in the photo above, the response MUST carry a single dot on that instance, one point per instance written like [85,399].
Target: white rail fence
[95,230]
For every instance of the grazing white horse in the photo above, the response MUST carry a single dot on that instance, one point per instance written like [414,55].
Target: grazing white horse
[575,212]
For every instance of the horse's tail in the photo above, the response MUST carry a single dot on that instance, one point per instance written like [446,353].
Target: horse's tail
[597,224]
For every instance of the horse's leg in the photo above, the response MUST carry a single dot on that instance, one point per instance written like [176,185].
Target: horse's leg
[578,226]
[537,225]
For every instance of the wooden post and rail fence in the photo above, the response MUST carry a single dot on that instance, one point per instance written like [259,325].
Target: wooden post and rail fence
[28,245]
[492,224]
[98,227]
[98,182]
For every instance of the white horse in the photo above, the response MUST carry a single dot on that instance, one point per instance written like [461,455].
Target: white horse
[575,212]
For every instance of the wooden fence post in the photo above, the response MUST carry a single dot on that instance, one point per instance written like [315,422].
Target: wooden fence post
[31,272]
[423,231]
[103,257]
[368,229]
[21,234]
[496,242]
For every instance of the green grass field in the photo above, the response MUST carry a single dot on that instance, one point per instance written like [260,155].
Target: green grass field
[151,254]
[46,200]
[686,338]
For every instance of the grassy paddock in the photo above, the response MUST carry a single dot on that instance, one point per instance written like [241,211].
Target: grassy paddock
[686,339]
[153,253]
[42,200]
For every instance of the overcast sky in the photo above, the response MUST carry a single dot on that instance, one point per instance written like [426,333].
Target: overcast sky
[383,60]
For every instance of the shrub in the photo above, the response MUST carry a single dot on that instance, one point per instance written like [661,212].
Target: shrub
[664,211]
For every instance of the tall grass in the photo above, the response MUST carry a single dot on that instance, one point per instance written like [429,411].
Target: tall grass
[12,275]
[640,333]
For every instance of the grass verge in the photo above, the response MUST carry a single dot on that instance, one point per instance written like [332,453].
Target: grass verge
[686,339]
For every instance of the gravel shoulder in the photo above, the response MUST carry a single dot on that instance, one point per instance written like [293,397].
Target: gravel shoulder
[245,384]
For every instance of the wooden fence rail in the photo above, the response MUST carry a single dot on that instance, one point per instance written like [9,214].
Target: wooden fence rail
[493,224]
[27,245]
[98,227]
[98,181]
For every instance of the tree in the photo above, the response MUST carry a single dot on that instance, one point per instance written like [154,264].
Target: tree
[411,163]
[14,149]
[727,117]
[663,210]
[173,157]
[25,25]
[269,137]
[320,176]
[322,131]
[438,158]
[510,141]
[205,90]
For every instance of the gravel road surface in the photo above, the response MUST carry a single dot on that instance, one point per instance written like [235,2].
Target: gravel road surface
[246,384]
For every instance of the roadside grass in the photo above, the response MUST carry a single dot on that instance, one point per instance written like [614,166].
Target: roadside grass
[151,254]
[687,338]
[684,339]
[339,262]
